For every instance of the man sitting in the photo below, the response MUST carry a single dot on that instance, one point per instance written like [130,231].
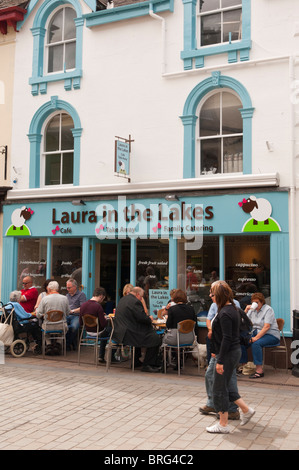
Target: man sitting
[75,299]
[29,295]
[53,301]
[133,327]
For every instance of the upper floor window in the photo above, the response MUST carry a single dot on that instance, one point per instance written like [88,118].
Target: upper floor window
[220,21]
[61,41]
[57,45]
[220,139]
[214,27]
[58,156]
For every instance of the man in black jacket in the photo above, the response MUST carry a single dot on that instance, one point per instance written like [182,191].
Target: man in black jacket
[133,327]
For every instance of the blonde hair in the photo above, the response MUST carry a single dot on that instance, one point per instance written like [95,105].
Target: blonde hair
[127,289]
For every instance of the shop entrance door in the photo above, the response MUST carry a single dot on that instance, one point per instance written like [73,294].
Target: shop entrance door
[107,272]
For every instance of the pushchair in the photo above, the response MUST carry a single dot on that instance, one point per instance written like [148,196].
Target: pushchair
[24,329]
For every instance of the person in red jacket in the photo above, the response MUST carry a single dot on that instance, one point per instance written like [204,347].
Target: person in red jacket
[29,295]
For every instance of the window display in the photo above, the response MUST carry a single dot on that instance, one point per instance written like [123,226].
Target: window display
[248,266]
[152,266]
[197,269]
[66,261]
[32,255]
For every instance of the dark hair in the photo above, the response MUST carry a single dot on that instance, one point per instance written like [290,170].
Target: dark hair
[179,296]
[258,296]
[46,283]
[223,294]
[99,291]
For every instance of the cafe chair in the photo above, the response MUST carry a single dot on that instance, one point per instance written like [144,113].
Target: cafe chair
[114,345]
[54,318]
[183,328]
[89,339]
[160,314]
[280,348]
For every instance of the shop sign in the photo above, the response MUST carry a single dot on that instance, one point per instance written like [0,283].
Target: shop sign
[260,210]
[158,298]
[150,218]
[122,157]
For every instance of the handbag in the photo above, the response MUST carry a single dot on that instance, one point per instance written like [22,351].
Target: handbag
[6,331]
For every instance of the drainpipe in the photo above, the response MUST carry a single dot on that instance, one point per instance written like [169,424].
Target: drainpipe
[159,18]
[292,214]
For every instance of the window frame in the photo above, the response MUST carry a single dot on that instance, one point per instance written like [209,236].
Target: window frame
[40,77]
[221,136]
[190,118]
[60,152]
[35,137]
[221,10]
[194,55]
[63,42]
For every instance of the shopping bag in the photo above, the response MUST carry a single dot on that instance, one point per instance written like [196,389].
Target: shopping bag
[6,331]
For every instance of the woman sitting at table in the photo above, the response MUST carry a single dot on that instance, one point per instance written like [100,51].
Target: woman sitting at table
[177,313]
[265,332]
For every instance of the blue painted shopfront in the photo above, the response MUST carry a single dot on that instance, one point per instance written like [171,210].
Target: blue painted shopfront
[107,222]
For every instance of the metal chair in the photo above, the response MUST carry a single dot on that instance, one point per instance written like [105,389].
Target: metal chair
[183,328]
[54,318]
[114,345]
[88,339]
[280,348]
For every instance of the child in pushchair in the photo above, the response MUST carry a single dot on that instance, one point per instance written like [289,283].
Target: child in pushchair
[24,326]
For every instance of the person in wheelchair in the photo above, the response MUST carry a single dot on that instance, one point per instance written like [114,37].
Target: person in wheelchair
[24,322]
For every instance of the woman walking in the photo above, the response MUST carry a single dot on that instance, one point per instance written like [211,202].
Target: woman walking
[225,343]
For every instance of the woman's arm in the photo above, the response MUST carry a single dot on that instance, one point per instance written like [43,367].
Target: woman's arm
[261,333]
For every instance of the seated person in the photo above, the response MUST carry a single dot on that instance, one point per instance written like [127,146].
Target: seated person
[75,298]
[29,294]
[93,307]
[53,301]
[133,327]
[28,323]
[265,332]
[177,313]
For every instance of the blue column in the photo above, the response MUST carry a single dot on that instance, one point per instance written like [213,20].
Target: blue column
[133,257]
[173,264]
[85,267]
[280,278]
[9,264]
[221,258]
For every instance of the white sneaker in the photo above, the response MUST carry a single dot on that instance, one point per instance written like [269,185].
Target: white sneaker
[245,417]
[217,428]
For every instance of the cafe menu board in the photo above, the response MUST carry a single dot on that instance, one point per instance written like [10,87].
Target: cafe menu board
[158,298]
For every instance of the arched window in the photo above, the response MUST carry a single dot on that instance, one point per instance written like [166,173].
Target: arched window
[57,45]
[55,137]
[220,137]
[61,41]
[58,156]
[217,119]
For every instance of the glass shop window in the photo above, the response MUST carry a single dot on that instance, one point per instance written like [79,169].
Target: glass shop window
[247,266]
[152,266]
[197,269]
[32,256]
[66,261]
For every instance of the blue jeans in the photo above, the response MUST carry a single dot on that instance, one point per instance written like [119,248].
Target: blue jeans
[73,327]
[257,348]
[209,380]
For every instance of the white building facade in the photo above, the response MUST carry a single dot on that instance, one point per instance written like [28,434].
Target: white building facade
[202,98]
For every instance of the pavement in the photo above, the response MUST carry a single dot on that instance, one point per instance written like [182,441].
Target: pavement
[56,404]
